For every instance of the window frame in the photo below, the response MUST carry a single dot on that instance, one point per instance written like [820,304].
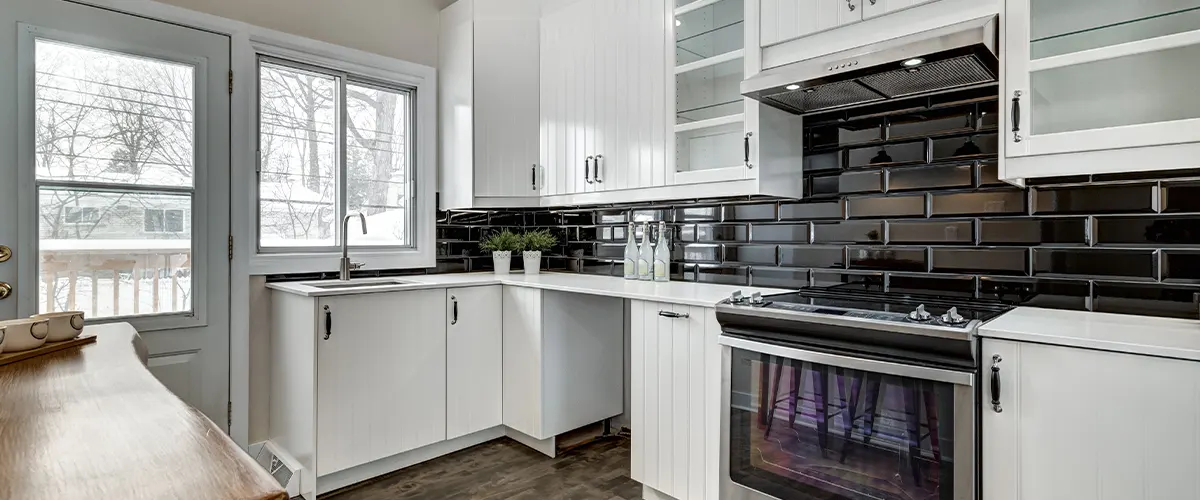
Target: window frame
[369,70]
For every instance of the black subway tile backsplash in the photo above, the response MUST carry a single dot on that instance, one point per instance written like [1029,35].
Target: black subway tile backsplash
[999,202]
[934,232]
[846,232]
[1124,243]
[886,206]
[1057,231]
[1094,200]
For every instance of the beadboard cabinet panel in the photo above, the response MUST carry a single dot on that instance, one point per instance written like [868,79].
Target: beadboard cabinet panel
[675,399]
[1089,425]
[783,20]
[474,371]
[381,376]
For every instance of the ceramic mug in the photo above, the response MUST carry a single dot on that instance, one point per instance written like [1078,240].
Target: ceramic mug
[64,325]
[2,329]
[25,334]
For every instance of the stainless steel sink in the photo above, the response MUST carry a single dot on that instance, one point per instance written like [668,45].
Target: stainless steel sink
[359,284]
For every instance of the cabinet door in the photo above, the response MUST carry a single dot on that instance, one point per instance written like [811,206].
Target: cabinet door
[559,106]
[506,96]
[381,376]
[522,360]
[1100,75]
[1082,424]
[474,375]
[675,400]
[641,68]
[783,20]
[872,8]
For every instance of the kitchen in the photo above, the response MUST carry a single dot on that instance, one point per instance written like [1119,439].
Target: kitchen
[908,243]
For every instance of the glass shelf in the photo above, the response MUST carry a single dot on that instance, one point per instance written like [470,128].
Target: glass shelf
[709,31]
[1061,27]
[709,92]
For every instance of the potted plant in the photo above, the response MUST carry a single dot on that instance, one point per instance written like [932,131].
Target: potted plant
[536,242]
[502,244]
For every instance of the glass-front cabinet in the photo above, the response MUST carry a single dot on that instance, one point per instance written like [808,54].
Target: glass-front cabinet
[711,132]
[1092,75]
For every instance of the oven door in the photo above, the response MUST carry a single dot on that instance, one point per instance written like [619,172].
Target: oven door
[803,424]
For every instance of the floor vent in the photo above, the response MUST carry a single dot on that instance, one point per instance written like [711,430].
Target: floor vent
[279,464]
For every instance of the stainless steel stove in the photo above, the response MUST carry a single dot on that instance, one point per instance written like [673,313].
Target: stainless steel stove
[836,393]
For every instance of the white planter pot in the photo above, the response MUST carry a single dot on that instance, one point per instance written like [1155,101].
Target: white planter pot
[533,262]
[502,261]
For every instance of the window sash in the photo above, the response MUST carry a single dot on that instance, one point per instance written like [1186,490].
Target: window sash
[341,170]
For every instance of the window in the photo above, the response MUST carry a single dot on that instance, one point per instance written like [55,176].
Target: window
[114,155]
[333,143]
[158,220]
[80,215]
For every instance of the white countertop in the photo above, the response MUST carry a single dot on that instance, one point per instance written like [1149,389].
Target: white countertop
[1167,337]
[677,292]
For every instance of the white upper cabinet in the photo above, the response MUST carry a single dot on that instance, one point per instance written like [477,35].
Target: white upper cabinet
[1102,85]
[872,8]
[784,20]
[490,95]
[603,106]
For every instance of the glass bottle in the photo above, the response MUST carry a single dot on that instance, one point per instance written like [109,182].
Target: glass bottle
[631,255]
[646,256]
[662,254]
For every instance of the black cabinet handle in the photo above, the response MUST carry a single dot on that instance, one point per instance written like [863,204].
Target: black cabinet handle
[746,145]
[596,169]
[996,359]
[454,310]
[1016,115]
[328,323]
[587,176]
[533,176]
[672,314]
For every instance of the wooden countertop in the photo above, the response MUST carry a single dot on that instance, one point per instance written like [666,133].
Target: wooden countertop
[92,423]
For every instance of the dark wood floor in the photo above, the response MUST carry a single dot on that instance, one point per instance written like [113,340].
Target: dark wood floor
[504,469]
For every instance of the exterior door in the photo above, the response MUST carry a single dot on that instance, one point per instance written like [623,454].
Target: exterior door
[114,155]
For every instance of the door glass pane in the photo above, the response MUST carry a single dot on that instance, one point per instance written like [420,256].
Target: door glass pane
[297,150]
[709,92]
[379,172]
[1144,88]
[1064,26]
[709,31]
[707,148]
[114,254]
[808,430]
[108,117]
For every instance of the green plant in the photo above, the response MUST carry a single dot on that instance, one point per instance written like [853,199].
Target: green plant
[503,241]
[539,241]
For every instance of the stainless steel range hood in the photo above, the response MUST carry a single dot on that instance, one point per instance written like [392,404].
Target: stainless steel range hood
[952,57]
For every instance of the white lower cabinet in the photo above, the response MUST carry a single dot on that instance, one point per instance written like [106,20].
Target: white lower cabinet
[380,377]
[563,360]
[675,401]
[1076,424]
[474,375]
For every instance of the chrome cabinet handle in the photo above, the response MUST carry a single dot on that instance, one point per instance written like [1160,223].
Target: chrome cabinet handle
[454,310]
[1016,115]
[746,149]
[672,314]
[587,176]
[328,323]
[533,176]
[996,359]
[596,169]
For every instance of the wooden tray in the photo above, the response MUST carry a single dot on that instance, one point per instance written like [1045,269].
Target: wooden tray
[13,357]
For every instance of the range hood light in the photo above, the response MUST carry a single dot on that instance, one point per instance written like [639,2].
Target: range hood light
[916,61]
[793,87]
[678,23]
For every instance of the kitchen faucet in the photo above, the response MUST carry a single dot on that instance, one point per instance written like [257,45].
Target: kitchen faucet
[346,265]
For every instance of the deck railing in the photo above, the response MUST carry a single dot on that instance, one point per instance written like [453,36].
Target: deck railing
[107,278]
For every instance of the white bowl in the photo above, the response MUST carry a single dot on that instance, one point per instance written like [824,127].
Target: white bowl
[24,334]
[64,325]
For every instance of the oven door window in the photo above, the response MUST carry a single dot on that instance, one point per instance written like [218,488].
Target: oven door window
[801,430]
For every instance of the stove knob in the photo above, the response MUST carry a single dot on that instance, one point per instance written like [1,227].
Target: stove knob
[952,317]
[756,298]
[920,314]
[736,297]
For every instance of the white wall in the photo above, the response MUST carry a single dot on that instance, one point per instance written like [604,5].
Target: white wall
[402,29]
